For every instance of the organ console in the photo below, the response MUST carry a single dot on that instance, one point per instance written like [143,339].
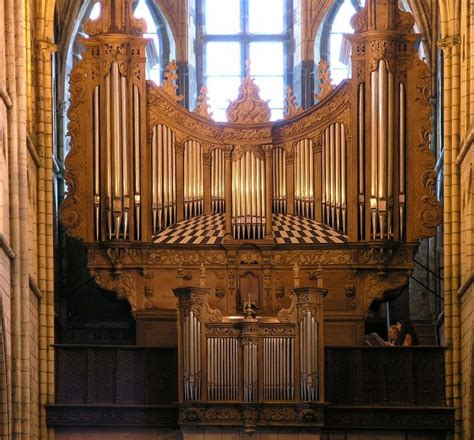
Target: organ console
[165,198]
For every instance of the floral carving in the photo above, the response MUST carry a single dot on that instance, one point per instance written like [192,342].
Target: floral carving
[202,107]
[169,84]
[291,106]
[325,81]
[122,284]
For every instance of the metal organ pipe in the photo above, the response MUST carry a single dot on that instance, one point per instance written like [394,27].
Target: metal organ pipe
[137,164]
[279,180]
[193,187]
[163,178]
[361,160]
[96,111]
[382,134]
[304,178]
[108,154]
[402,140]
[217,181]
[374,78]
[308,329]
[248,197]
[118,156]
[334,187]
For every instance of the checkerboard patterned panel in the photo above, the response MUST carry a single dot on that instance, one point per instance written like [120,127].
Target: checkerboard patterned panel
[287,229]
[291,229]
[206,229]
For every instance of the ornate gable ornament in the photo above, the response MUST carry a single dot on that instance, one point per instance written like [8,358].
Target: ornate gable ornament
[202,107]
[291,106]
[120,20]
[248,108]
[325,86]
[169,83]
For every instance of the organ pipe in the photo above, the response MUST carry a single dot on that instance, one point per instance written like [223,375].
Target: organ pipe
[308,332]
[193,186]
[248,197]
[361,160]
[96,112]
[304,179]
[382,135]
[137,163]
[402,140]
[217,181]
[192,357]
[163,154]
[334,177]
[117,153]
[279,180]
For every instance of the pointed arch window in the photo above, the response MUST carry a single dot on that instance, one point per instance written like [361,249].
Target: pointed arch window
[234,31]
[334,48]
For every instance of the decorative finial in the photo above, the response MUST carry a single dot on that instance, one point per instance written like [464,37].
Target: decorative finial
[202,275]
[325,80]
[320,282]
[248,108]
[115,17]
[296,275]
[171,78]
[291,107]
[247,69]
[202,107]
[250,310]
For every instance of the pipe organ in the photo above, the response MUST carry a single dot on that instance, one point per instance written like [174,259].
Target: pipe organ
[346,167]
[247,358]
[163,197]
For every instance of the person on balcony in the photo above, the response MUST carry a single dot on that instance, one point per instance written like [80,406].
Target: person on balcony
[402,334]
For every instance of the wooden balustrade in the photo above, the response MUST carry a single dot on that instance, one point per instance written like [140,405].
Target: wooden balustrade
[394,376]
[116,375]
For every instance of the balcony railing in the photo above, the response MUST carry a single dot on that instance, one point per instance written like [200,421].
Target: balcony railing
[393,376]
[115,375]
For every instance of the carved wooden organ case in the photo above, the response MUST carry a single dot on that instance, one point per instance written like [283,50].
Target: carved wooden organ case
[337,195]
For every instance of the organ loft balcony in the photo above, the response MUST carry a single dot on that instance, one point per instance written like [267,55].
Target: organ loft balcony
[250,253]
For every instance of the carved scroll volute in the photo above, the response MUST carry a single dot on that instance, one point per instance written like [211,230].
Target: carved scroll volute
[107,170]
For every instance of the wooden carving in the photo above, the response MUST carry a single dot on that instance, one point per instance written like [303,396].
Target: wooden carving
[248,107]
[325,81]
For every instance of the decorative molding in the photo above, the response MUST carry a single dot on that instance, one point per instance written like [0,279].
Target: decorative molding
[32,149]
[466,145]
[34,287]
[389,418]
[252,414]
[159,416]
[6,97]
[5,245]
